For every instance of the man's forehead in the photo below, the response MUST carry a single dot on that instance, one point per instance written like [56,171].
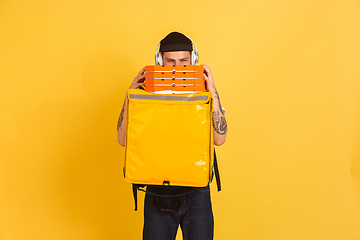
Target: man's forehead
[177,54]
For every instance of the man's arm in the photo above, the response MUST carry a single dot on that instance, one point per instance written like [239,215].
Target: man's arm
[219,121]
[121,125]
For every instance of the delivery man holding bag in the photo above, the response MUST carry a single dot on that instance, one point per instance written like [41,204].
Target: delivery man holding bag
[193,211]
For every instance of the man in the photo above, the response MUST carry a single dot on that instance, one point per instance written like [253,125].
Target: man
[193,211]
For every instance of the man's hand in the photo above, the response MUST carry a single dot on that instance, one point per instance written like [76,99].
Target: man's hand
[210,85]
[139,80]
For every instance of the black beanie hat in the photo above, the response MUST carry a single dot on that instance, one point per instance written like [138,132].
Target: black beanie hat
[174,42]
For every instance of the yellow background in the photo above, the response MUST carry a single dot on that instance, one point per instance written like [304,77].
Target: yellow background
[288,74]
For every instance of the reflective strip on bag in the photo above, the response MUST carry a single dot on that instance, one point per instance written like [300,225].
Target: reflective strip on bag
[167,98]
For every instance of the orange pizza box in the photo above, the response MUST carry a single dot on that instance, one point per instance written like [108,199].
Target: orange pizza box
[180,88]
[174,78]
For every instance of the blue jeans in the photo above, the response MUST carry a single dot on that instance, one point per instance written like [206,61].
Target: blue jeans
[193,211]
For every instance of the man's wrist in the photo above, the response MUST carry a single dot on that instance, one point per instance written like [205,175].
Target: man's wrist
[213,91]
[211,87]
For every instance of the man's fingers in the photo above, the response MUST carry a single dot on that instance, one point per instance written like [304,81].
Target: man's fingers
[206,68]
[142,71]
[140,84]
[207,71]
[209,82]
[139,78]
[206,77]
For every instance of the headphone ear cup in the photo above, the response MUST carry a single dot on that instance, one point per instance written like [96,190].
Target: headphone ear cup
[194,57]
[159,59]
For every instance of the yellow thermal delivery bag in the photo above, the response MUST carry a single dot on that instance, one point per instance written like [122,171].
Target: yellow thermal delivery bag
[169,139]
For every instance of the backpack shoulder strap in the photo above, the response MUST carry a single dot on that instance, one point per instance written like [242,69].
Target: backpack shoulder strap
[217,174]
[135,187]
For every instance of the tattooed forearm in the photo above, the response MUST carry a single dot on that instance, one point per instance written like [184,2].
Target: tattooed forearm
[121,118]
[218,98]
[223,125]
[216,94]
[216,120]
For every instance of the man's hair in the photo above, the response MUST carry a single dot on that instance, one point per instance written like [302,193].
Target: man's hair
[174,42]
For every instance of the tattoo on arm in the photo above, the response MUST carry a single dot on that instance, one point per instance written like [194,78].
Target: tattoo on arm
[216,120]
[216,94]
[223,125]
[218,98]
[121,118]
